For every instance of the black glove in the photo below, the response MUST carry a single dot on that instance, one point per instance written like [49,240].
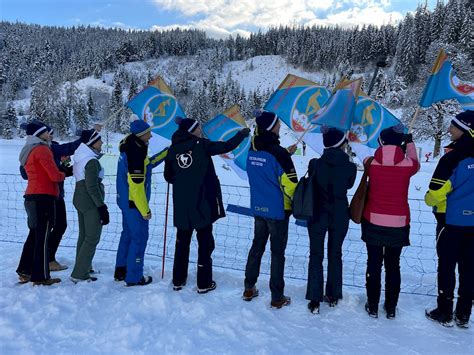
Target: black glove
[104,215]
[408,138]
[245,132]
[66,169]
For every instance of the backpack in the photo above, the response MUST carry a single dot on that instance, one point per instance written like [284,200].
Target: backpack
[303,198]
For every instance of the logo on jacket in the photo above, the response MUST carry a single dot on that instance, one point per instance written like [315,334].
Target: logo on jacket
[185,160]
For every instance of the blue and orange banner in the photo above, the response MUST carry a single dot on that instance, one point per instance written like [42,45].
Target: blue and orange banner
[339,109]
[443,84]
[222,128]
[296,101]
[370,117]
[157,105]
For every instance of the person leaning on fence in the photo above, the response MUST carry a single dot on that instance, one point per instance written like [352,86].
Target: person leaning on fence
[40,195]
[272,180]
[333,174]
[133,195]
[386,217]
[452,189]
[197,197]
[89,202]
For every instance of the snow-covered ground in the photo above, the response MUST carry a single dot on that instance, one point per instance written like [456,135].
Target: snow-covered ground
[106,316]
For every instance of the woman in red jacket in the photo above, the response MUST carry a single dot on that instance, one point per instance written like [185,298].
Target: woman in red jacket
[386,219]
[40,195]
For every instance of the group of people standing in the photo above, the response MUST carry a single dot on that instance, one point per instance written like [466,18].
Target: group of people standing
[197,201]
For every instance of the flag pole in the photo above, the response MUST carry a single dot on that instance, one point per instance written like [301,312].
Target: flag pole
[417,112]
[165,231]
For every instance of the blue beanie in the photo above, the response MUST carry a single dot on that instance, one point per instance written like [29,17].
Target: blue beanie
[266,120]
[186,124]
[139,127]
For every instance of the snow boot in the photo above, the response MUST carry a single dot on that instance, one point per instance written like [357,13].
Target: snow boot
[313,307]
[250,293]
[285,301]
[436,315]
[461,320]
[390,311]
[55,266]
[179,287]
[23,278]
[48,282]
[332,301]
[89,279]
[211,287]
[372,309]
[120,273]
[145,280]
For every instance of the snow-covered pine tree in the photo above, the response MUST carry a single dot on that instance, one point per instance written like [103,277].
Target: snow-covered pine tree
[405,57]
[133,88]
[121,121]
[81,115]
[91,108]
[8,122]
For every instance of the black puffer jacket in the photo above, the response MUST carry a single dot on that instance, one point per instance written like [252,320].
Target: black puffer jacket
[335,174]
[197,196]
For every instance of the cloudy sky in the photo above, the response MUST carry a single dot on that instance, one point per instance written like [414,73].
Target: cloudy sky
[218,18]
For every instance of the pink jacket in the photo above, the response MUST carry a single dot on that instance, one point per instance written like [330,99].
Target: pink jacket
[389,178]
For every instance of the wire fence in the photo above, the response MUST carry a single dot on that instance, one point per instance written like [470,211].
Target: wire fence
[233,234]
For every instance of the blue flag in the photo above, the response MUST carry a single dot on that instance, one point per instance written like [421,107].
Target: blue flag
[443,84]
[222,128]
[339,109]
[157,105]
[370,117]
[296,101]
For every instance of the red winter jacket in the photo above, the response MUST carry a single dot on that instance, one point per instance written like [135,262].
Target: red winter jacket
[43,174]
[389,177]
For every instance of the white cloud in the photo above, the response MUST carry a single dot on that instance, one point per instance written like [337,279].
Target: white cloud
[219,18]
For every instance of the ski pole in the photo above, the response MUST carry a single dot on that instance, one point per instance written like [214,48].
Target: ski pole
[166,226]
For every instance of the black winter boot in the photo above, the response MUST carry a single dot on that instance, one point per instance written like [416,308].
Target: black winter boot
[120,273]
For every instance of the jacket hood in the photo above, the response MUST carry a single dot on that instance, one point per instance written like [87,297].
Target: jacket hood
[84,153]
[389,155]
[31,142]
[334,157]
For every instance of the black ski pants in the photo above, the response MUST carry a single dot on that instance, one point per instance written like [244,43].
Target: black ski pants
[181,256]
[34,258]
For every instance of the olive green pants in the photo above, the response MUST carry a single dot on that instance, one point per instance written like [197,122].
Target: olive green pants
[89,236]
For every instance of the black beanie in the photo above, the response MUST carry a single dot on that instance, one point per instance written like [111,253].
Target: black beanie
[186,124]
[89,137]
[266,120]
[392,135]
[464,121]
[36,128]
[333,137]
